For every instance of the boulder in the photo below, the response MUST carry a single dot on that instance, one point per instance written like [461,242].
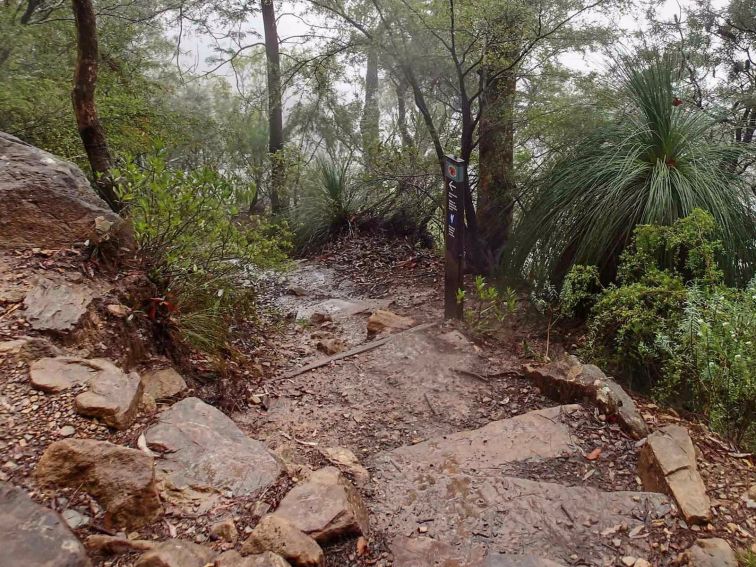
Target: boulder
[384,320]
[279,536]
[47,202]
[325,506]
[35,535]
[204,449]
[713,552]
[163,384]
[233,558]
[569,381]
[113,395]
[60,373]
[122,480]
[667,464]
[177,553]
[56,306]
[347,461]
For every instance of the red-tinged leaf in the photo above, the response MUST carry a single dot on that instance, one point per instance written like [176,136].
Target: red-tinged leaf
[594,455]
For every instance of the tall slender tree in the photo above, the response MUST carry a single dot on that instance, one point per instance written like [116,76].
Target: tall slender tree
[83,95]
[275,108]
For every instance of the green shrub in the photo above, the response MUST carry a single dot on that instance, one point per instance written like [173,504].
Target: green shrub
[489,305]
[193,249]
[680,331]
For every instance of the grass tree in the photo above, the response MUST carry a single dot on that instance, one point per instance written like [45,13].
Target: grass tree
[653,164]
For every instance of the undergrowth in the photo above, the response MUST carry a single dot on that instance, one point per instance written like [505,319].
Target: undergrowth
[194,251]
[672,326]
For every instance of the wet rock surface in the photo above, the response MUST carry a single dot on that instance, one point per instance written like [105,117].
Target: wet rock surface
[35,535]
[278,535]
[121,479]
[56,306]
[113,395]
[202,448]
[668,464]
[326,507]
[163,384]
[451,488]
[567,380]
[177,553]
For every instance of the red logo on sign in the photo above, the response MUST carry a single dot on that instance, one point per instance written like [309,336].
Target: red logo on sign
[452,171]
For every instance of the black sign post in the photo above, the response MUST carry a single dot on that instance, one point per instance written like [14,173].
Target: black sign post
[454,235]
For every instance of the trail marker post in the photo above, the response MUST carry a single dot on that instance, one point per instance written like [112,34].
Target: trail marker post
[454,234]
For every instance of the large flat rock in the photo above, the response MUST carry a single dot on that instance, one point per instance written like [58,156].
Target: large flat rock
[56,306]
[457,488]
[204,449]
[540,434]
[35,535]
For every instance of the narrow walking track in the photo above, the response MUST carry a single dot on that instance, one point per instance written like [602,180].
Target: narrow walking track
[469,464]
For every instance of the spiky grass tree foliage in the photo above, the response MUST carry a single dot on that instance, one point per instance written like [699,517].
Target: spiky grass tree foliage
[653,165]
[329,205]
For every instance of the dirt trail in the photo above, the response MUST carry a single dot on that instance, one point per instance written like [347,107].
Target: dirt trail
[470,465]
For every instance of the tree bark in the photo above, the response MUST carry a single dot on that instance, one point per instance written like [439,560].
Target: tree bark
[496,185]
[370,123]
[401,111]
[275,108]
[83,96]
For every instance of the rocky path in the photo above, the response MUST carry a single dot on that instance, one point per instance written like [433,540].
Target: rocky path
[425,447]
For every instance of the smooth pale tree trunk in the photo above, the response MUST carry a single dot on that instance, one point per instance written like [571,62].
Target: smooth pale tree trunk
[370,122]
[83,96]
[496,184]
[275,108]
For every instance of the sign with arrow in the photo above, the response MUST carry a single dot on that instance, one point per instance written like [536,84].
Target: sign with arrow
[454,227]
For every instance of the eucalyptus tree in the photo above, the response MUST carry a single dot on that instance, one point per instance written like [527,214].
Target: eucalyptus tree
[467,57]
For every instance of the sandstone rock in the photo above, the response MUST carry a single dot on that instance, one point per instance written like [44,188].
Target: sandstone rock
[331,346]
[163,384]
[667,464]
[52,306]
[47,202]
[568,381]
[35,535]
[74,518]
[116,545]
[29,348]
[54,375]
[204,449]
[384,320]
[348,463]
[467,483]
[122,480]
[276,534]
[113,396]
[712,552]
[177,553]
[234,559]
[326,507]
[225,530]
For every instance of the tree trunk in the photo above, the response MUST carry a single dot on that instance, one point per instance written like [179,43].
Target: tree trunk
[83,95]
[401,111]
[275,109]
[496,185]
[370,123]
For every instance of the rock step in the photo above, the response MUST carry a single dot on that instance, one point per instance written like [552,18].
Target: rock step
[454,490]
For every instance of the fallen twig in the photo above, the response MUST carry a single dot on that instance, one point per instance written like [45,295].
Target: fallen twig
[356,350]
